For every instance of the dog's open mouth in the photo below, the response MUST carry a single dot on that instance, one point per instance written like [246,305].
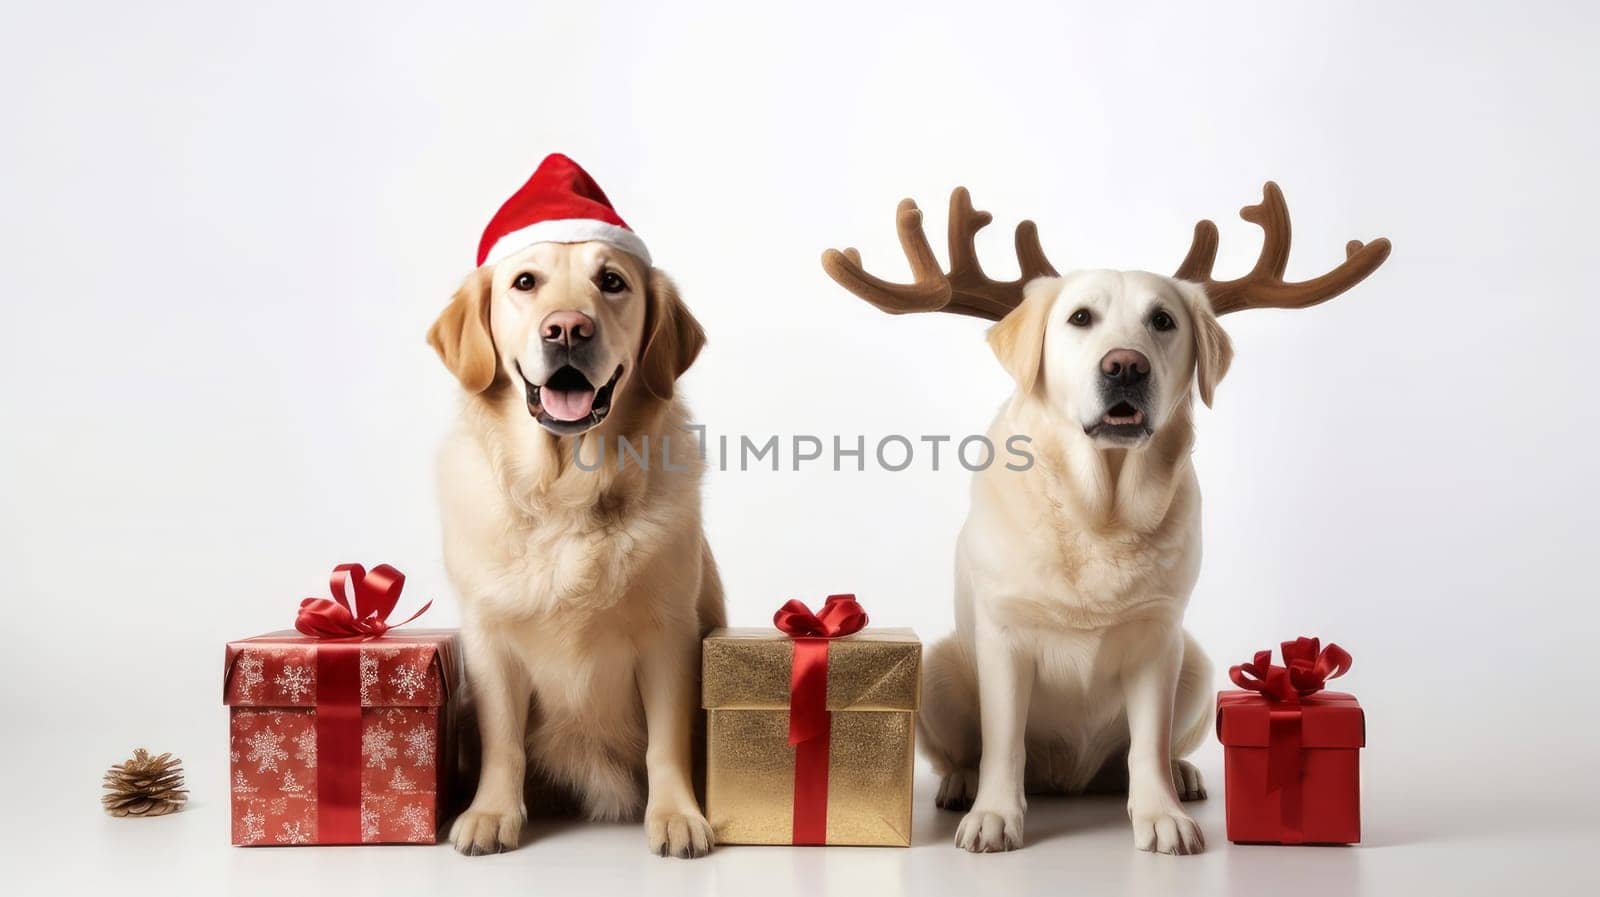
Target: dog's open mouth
[1122,414]
[568,403]
[1121,421]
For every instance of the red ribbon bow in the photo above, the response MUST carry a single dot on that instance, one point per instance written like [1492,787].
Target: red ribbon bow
[809,720]
[376,594]
[1307,668]
[841,616]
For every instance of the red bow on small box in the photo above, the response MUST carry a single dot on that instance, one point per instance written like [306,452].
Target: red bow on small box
[1307,668]
[809,721]
[376,594]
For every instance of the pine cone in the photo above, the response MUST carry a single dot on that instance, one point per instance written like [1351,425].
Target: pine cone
[145,786]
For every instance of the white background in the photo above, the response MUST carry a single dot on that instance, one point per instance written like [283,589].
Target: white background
[226,228]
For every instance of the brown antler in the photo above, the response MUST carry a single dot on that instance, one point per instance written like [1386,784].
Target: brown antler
[1264,286]
[965,290]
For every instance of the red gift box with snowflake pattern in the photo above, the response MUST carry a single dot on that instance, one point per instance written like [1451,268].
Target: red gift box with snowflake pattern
[345,741]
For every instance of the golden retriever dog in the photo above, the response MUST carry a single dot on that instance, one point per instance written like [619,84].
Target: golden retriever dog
[585,582]
[1069,669]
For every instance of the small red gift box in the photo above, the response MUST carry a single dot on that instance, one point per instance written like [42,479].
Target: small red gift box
[342,735]
[1291,750]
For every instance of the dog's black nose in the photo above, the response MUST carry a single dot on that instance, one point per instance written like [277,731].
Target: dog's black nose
[568,328]
[1124,367]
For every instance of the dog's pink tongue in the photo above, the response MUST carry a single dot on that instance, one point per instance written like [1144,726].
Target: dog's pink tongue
[566,404]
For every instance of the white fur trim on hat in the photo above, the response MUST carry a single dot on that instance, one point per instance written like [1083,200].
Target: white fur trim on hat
[568,230]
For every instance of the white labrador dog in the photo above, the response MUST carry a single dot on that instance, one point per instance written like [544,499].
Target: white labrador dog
[1069,669]
[1072,576]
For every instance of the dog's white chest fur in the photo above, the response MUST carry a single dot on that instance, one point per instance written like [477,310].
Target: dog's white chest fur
[1035,568]
[560,569]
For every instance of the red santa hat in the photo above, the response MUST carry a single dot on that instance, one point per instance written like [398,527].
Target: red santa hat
[561,203]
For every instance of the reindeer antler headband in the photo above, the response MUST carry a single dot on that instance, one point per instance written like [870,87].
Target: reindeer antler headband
[966,290]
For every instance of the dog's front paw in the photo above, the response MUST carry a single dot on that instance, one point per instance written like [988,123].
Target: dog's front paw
[990,831]
[672,833]
[1166,831]
[480,831]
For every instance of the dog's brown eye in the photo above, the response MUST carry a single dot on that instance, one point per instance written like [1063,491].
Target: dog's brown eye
[1162,321]
[1080,318]
[611,282]
[524,282]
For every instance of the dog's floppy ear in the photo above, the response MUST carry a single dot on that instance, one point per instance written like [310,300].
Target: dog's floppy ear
[1018,339]
[461,335]
[1213,350]
[672,337]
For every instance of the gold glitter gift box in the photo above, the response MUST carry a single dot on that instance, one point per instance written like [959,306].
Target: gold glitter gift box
[847,784]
